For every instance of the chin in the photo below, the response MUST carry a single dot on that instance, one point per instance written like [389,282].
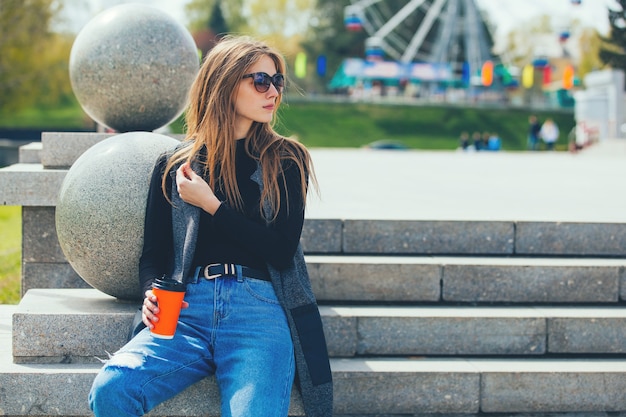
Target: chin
[264,119]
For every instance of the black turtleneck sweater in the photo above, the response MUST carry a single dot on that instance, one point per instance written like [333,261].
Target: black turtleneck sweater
[229,236]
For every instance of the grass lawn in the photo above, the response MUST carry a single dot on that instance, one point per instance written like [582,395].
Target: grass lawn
[62,117]
[419,127]
[10,254]
[334,124]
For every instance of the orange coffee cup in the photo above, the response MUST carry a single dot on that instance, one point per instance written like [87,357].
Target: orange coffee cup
[169,294]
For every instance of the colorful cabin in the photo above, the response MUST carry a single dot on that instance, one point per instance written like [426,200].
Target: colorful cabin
[352,18]
[374,49]
[568,77]
[486,74]
[466,74]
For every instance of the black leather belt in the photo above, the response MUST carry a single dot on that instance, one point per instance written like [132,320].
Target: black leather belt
[213,271]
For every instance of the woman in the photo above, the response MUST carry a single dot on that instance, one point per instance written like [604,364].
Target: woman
[224,214]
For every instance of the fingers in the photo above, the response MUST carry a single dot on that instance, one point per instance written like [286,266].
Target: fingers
[186,178]
[149,310]
[189,173]
[182,173]
[186,171]
[183,180]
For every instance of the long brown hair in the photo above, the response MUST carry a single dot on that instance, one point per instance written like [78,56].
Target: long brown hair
[210,120]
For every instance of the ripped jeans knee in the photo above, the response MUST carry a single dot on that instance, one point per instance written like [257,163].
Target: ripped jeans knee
[143,374]
[128,360]
[117,389]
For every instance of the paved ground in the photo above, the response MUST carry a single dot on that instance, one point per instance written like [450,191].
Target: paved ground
[437,185]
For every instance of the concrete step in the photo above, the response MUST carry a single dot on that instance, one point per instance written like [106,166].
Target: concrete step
[407,278]
[30,185]
[62,389]
[363,387]
[479,331]
[33,186]
[467,279]
[30,153]
[429,386]
[82,325]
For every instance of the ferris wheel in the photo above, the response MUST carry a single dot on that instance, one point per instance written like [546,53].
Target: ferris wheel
[451,31]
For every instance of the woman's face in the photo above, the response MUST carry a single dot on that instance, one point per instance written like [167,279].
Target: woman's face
[252,106]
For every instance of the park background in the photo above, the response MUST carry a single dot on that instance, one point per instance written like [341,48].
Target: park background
[36,93]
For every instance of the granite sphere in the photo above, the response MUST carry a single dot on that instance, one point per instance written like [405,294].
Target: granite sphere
[101,208]
[131,68]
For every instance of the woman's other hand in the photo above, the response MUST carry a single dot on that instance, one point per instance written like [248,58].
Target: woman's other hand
[150,309]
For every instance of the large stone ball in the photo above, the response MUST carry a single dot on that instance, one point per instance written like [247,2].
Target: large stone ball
[101,208]
[131,68]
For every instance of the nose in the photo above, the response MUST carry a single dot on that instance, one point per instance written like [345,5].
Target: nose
[273,90]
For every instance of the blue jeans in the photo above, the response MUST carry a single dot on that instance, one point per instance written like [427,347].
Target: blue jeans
[234,329]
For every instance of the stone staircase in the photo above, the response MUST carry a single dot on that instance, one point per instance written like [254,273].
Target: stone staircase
[422,318]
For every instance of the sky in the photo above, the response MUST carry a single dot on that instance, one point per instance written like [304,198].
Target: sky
[506,14]
[509,14]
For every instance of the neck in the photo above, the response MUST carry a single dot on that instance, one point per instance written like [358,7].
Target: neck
[242,129]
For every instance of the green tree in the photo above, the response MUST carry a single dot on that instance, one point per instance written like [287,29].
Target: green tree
[293,15]
[283,23]
[590,42]
[25,51]
[54,86]
[328,36]
[218,16]
[525,43]
[208,28]
[613,47]
[217,23]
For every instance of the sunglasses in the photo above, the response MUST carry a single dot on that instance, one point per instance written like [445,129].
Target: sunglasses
[263,80]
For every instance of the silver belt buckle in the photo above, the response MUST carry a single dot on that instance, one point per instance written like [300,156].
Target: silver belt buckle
[229,269]
[206,272]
